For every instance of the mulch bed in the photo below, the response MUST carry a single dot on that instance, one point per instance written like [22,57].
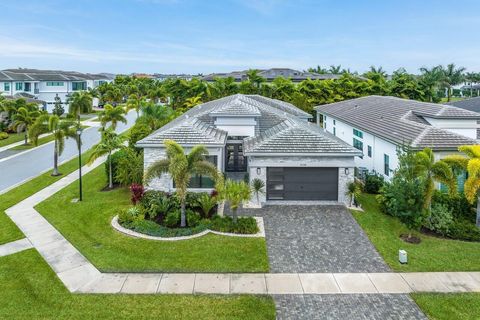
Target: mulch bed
[412,239]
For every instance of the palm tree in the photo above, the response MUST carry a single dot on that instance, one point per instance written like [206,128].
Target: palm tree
[431,78]
[258,188]
[113,115]
[154,115]
[236,192]
[192,102]
[133,103]
[60,130]
[470,164]
[108,144]
[181,167]
[318,69]
[79,102]
[335,69]
[255,78]
[378,70]
[433,171]
[451,76]
[26,118]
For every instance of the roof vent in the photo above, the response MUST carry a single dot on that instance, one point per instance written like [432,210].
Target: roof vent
[186,116]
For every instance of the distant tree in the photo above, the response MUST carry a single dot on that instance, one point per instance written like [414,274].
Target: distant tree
[25,118]
[255,78]
[133,103]
[112,115]
[431,79]
[192,102]
[335,69]
[318,69]
[451,76]
[58,108]
[405,85]
[79,102]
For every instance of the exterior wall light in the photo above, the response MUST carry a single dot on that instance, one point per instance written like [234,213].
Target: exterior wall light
[347,171]
[259,171]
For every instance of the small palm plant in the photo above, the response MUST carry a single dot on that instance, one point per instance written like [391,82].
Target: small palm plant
[114,115]
[258,188]
[181,167]
[109,143]
[134,103]
[206,202]
[353,191]
[25,117]
[236,192]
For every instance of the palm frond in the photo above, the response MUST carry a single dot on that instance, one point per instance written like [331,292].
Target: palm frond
[457,162]
[443,172]
[197,153]
[156,169]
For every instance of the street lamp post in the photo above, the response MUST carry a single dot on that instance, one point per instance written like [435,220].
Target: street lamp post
[79,143]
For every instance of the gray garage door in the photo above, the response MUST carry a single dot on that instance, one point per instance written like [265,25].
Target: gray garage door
[302,184]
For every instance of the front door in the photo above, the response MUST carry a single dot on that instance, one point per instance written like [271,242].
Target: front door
[235,161]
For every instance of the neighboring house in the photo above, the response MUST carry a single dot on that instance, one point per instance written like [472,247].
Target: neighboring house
[269,139]
[378,125]
[47,84]
[163,77]
[272,74]
[472,104]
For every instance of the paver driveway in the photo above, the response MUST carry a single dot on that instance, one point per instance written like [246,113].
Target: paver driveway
[327,239]
[317,239]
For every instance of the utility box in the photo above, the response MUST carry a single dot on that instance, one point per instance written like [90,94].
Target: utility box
[402,256]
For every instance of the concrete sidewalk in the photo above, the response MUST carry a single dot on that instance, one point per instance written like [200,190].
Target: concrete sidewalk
[79,275]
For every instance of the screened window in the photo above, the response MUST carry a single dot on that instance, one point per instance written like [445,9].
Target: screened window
[369,151]
[6,86]
[357,133]
[54,84]
[358,144]
[386,164]
[200,182]
[79,86]
[334,131]
[19,86]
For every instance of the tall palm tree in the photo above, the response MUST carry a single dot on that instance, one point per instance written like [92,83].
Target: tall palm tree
[26,118]
[79,102]
[154,115]
[434,171]
[318,69]
[471,164]
[60,129]
[133,103]
[451,76]
[255,78]
[112,114]
[378,70]
[236,192]
[431,78]
[108,144]
[181,167]
[335,69]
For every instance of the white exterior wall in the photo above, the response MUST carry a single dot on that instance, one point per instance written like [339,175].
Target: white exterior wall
[464,127]
[379,146]
[237,126]
[257,168]
[165,182]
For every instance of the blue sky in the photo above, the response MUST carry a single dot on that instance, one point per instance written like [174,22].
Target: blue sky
[175,36]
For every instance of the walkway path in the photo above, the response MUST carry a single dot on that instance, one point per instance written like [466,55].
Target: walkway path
[79,275]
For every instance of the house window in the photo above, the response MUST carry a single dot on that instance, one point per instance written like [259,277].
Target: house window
[334,131]
[325,122]
[369,151]
[202,182]
[6,86]
[54,84]
[334,122]
[386,164]
[358,144]
[358,133]
[19,86]
[79,86]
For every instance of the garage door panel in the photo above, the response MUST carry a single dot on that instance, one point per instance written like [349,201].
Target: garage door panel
[302,183]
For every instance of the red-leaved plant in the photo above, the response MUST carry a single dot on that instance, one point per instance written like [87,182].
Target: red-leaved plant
[137,191]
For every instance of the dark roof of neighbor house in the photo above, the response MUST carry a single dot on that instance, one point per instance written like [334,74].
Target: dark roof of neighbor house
[472,104]
[271,74]
[27,97]
[401,121]
[22,74]
[282,128]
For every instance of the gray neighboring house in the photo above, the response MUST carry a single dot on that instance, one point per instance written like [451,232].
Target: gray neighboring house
[269,139]
[472,104]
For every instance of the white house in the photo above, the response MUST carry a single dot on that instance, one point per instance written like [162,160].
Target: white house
[45,85]
[269,139]
[378,125]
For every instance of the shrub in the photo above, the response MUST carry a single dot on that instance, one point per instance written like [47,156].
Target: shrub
[156,203]
[464,230]
[192,199]
[193,218]
[458,205]
[3,135]
[137,191]
[373,183]
[129,168]
[172,219]
[130,215]
[206,203]
[115,160]
[244,225]
[440,219]
[137,133]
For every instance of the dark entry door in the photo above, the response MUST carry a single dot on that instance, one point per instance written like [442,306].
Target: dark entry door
[235,161]
[302,184]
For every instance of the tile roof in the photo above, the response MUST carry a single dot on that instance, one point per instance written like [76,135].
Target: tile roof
[22,74]
[281,128]
[271,74]
[472,104]
[401,121]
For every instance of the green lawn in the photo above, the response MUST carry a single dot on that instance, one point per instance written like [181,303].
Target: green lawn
[87,226]
[432,254]
[31,290]
[8,230]
[440,306]
[12,138]
[41,141]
